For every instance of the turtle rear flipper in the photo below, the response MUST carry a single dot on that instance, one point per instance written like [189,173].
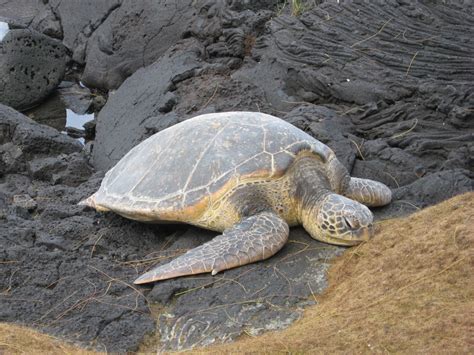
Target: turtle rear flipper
[255,238]
[370,193]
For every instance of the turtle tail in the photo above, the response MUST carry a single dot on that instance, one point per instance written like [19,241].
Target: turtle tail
[91,202]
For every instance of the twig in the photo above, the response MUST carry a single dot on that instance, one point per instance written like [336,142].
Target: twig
[56,306]
[212,97]
[312,293]
[408,203]
[95,243]
[285,277]
[358,149]
[411,62]
[297,102]
[396,182]
[375,34]
[403,133]
[111,279]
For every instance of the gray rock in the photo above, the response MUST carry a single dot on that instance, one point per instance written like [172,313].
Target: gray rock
[76,172]
[133,36]
[240,5]
[75,97]
[79,19]
[47,22]
[51,112]
[31,67]
[31,138]
[70,170]
[75,132]
[435,188]
[11,158]
[19,12]
[89,129]
[24,201]
[303,58]
[44,168]
[51,242]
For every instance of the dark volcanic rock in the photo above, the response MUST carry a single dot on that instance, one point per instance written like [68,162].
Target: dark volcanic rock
[32,137]
[137,34]
[339,53]
[33,14]
[133,36]
[31,66]
[43,230]
[19,12]
[79,19]
[51,112]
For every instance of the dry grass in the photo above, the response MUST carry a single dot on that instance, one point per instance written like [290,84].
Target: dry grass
[15,339]
[409,290]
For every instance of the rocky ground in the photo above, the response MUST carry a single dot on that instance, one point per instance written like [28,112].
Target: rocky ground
[387,85]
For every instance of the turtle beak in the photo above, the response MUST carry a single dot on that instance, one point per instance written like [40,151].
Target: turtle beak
[366,233]
[363,234]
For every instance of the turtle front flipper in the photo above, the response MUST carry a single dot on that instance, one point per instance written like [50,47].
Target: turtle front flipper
[255,238]
[368,192]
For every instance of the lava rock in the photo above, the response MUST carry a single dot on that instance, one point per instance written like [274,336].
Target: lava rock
[25,202]
[32,138]
[19,12]
[77,171]
[89,129]
[131,37]
[70,170]
[79,20]
[75,132]
[31,66]
[51,112]
[10,158]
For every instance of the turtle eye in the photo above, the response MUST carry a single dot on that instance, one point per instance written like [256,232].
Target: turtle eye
[351,223]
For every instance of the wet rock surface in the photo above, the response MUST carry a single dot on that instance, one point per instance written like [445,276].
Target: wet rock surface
[388,86]
[31,66]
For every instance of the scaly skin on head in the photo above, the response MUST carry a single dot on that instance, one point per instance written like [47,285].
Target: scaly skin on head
[338,220]
[328,216]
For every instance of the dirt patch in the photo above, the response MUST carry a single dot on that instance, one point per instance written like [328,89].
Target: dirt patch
[409,290]
[19,340]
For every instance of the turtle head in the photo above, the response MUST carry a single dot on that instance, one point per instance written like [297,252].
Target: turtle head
[338,220]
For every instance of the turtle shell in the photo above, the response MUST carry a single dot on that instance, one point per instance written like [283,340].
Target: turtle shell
[171,173]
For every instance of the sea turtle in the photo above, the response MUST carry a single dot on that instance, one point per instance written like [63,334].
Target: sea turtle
[248,175]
